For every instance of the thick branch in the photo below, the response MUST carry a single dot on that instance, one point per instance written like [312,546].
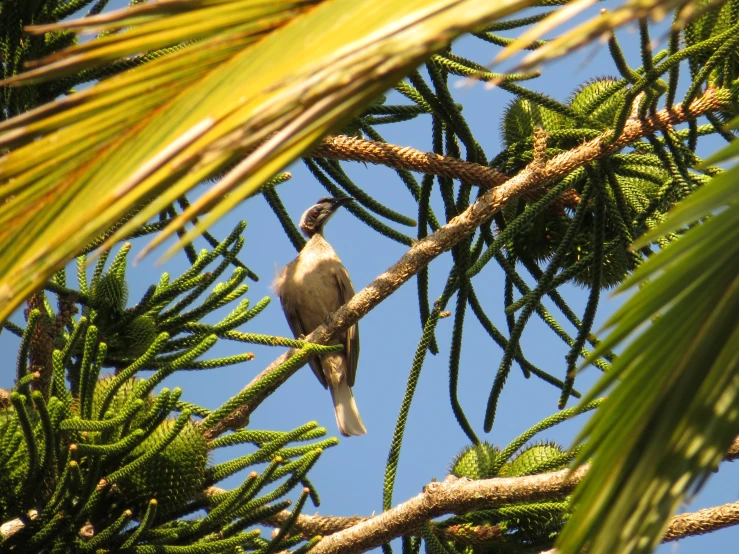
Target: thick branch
[697,523]
[424,251]
[311,526]
[342,147]
[349,148]
[681,526]
[353,535]
[451,496]
[702,521]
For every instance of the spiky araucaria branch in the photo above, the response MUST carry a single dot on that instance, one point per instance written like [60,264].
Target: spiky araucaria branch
[460,227]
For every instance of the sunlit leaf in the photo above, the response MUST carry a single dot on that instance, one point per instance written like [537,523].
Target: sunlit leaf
[259,86]
[675,407]
[594,28]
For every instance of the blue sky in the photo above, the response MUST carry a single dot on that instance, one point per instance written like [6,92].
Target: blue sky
[349,477]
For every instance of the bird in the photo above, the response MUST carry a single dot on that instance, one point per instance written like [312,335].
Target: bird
[312,286]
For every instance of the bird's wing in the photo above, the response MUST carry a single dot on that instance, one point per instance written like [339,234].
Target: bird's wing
[351,344]
[298,329]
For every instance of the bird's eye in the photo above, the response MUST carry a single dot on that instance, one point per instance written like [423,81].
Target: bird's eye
[315,212]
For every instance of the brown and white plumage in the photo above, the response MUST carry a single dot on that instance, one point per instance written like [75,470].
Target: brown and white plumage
[311,287]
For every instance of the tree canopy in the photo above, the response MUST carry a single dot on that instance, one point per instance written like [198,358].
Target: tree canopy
[105,139]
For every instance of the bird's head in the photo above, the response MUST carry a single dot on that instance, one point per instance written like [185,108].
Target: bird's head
[317,215]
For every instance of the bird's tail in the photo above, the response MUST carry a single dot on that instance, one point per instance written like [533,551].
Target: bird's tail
[347,415]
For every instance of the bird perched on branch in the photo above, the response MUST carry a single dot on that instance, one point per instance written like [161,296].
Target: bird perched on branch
[311,287]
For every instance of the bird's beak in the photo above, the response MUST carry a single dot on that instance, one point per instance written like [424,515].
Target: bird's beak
[339,202]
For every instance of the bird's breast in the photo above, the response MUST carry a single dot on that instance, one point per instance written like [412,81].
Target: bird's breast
[309,285]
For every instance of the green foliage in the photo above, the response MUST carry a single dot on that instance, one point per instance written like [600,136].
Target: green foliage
[523,116]
[672,438]
[577,229]
[515,527]
[110,292]
[536,458]
[600,99]
[477,461]
[139,334]
[715,19]
[17,48]
[92,461]
[175,473]
[631,182]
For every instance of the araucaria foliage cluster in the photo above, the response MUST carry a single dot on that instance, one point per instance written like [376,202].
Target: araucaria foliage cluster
[92,458]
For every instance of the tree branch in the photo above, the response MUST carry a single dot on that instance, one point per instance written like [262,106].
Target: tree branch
[733,452]
[702,522]
[424,251]
[356,534]
[681,526]
[697,523]
[450,496]
[343,533]
[352,535]
[347,148]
